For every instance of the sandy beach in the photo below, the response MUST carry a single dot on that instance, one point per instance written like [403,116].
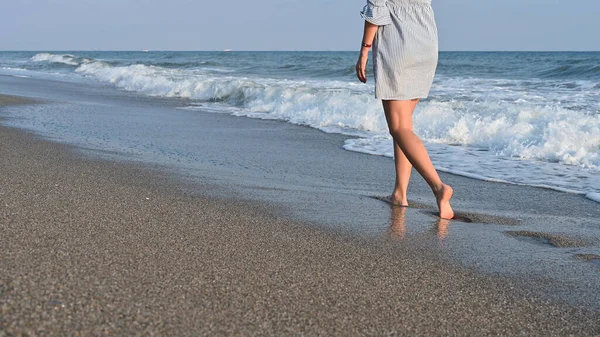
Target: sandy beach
[96,247]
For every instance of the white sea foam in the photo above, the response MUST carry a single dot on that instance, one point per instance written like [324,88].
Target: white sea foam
[13,69]
[547,133]
[53,58]
[593,196]
[500,131]
[323,105]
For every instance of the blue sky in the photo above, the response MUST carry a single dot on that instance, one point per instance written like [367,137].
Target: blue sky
[285,24]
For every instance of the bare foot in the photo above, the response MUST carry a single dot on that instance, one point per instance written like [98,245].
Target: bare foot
[443,201]
[398,201]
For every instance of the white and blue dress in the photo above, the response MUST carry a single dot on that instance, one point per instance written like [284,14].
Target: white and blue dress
[405,49]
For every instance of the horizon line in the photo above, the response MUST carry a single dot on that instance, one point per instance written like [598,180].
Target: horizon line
[287,50]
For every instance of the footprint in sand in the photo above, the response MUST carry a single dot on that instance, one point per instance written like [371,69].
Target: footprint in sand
[591,258]
[554,240]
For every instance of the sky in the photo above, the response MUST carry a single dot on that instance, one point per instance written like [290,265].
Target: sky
[571,25]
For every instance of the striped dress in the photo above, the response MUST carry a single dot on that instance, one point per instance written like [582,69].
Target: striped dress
[405,49]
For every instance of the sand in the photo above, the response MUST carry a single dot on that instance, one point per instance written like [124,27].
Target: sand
[93,247]
[6,100]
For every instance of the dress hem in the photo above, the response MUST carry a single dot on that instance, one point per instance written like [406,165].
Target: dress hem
[407,98]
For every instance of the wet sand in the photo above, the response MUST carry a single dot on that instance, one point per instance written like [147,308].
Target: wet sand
[15,100]
[95,247]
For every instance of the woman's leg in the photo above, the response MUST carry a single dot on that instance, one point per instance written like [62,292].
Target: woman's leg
[399,118]
[403,170]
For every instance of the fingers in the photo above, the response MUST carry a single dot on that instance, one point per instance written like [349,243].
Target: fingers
[361,73]
[362,76]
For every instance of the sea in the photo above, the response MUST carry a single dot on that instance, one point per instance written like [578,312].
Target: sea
[526,118]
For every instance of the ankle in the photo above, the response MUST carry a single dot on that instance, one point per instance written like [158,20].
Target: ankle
[438,188]
[399,198]
[399,193]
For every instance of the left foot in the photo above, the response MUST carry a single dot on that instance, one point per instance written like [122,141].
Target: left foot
[443,200]
[398,201]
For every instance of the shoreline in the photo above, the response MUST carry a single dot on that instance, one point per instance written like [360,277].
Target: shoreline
[95,246]
[7,100]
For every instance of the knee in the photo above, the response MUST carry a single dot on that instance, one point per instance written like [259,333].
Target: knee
[398,131]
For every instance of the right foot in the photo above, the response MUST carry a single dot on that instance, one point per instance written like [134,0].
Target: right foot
[443,200]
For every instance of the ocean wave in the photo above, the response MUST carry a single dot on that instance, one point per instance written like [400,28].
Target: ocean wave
[58,61]
[571,71]
[175,65]
[320,71]
[319,104]
[545,133]
[54,58]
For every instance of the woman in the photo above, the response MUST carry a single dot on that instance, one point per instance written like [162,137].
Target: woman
[403,34]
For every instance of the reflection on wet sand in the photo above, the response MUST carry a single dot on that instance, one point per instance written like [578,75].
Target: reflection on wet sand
[442,228]
[398,227]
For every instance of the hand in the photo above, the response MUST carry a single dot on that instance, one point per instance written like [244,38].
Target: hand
[361,66]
